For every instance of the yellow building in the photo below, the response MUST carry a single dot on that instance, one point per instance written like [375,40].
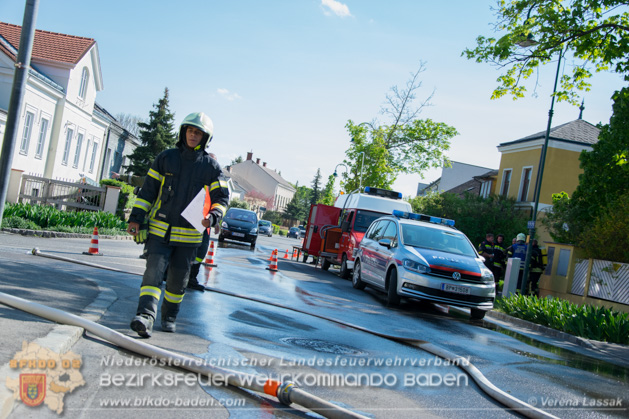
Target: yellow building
[519,165]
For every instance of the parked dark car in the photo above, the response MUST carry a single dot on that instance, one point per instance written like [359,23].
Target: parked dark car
[265,228]
[302,231]
[294,232]
[239,224]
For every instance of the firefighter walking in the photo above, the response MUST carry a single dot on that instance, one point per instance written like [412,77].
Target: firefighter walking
[176,176]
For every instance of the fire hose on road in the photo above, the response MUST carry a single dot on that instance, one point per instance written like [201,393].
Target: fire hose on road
[286,393]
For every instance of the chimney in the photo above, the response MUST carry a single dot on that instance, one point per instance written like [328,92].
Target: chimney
[249,155]
[264,164]
[258,161]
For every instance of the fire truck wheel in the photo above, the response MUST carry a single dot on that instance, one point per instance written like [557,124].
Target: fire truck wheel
[344,271]
[393,298]
[325,264]
[356,281]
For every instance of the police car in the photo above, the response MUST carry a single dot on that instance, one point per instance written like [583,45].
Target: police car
[419,256]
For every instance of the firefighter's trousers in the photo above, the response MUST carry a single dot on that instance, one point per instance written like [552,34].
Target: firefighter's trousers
[162,257]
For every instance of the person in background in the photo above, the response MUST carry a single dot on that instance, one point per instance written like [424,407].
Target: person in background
[175,178]
[518,250]
[193,282]
[486,250]
[500,255]
[537,267]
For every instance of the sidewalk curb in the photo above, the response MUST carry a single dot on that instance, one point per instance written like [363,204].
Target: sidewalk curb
[61,234]
[60,339]
[586,343]
[546,331]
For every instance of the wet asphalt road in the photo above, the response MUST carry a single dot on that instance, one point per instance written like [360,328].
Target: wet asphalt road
[371,375]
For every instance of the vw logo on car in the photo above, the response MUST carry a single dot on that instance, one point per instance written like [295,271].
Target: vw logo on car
[456,276]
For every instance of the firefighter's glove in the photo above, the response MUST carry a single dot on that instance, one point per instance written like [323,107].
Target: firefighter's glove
[213,218]
[141,235]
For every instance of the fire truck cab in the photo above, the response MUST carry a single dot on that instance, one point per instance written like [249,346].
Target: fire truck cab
[333,233]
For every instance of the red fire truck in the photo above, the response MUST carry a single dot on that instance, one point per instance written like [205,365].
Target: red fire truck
[333,233]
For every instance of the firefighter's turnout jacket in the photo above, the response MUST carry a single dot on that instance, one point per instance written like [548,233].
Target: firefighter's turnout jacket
[175,178]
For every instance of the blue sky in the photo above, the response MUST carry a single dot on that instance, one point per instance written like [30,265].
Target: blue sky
[281,78]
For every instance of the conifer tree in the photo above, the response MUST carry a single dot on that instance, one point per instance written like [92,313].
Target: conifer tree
[156,135]
[316,188]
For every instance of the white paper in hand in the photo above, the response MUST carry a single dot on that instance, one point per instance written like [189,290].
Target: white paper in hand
[194,211]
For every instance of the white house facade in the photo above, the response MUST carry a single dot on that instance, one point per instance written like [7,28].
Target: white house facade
[59,135]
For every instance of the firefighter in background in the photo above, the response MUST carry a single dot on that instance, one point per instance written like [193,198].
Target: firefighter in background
[174,179]
[518,250]
[193,282]
[537,267]
[486,250]
[500,255]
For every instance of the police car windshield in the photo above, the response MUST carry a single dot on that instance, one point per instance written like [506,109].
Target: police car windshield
[417,235]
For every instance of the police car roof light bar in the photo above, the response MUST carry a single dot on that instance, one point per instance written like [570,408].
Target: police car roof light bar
[423,217]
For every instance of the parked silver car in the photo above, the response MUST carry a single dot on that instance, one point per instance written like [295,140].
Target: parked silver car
[424,257]
[265,228]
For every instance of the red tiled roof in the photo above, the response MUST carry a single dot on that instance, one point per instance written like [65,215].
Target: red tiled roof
[49,46]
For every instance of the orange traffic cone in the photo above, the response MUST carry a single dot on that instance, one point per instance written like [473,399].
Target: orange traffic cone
[209,258]
[272,253]
[286,254]
[93,250]
[273,265]
[294,254]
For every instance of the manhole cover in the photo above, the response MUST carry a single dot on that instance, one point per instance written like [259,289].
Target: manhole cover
[323,346]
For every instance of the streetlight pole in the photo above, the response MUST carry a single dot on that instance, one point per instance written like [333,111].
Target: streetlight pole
[362,165]
[20,78]
[538,183]
[335,174]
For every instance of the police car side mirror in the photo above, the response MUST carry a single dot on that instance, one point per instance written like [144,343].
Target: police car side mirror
[385,243]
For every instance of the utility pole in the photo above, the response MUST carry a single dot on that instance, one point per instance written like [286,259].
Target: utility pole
[538,183]
[22,65]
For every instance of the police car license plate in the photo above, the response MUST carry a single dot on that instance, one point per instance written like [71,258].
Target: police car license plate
[239,234]
[457,289]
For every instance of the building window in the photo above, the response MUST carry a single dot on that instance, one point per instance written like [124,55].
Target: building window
[506,181]
[66,148]
[87,153]
[93,159]
[526,182]
[26,134]
[41,141]
[485,189]
[77,152]
[85,78]
[107,163]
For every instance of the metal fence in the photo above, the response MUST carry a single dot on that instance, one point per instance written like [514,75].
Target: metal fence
[64,195]
[604,279]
